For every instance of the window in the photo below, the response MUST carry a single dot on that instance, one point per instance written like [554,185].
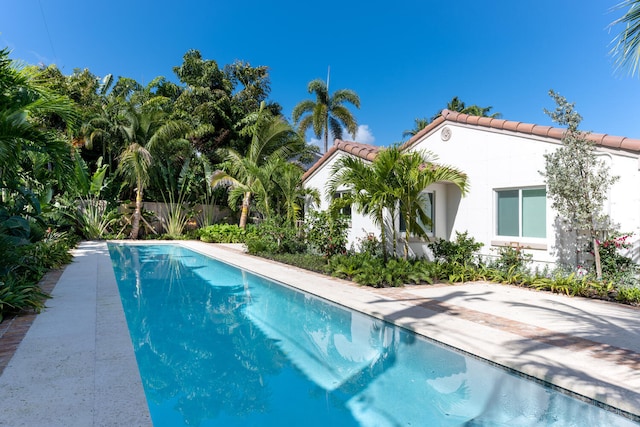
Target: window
[429,209]
[346,210]
[522,212]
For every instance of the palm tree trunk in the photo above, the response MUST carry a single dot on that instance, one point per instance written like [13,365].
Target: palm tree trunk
[407,233]
[246,202]
[137,213]
[383,237]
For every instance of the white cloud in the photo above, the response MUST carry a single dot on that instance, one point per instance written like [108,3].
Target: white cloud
[364,135]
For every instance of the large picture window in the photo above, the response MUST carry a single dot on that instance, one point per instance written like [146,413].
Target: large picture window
[521,212]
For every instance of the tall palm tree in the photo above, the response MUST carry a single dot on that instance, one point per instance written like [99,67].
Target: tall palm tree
[272,139]
[414,172]
[327,112]
[627,43]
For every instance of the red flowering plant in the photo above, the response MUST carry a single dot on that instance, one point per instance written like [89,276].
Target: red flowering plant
[615,265]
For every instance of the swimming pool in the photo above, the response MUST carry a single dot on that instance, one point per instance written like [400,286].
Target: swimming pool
[219,346]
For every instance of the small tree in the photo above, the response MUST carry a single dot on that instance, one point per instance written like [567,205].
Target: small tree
[577,181]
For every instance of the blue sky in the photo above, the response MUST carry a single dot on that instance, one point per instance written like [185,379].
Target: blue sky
[405,59]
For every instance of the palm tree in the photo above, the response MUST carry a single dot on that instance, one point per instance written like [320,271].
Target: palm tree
[372,190]
[627,43]
[146,130]
[419,124]
[287,178]
[248,174]
[135,162]
[414,172]
[22,140]
[327,112]
[454,105]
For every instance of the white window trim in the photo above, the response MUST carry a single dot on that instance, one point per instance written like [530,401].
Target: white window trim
[532,242]
[431,234]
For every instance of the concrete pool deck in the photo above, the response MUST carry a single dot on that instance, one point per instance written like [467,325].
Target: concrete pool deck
[76,365]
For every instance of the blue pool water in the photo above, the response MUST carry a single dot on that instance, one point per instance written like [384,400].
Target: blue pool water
[217,346]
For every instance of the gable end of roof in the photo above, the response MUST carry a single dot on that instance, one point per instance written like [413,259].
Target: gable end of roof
[363,151]
[604,140]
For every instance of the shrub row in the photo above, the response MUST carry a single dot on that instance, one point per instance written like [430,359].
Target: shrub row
[22,266]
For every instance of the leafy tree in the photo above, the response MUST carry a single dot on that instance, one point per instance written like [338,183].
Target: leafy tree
[248,174]
[327,112]
[216,99]
[577,181]
[626,48]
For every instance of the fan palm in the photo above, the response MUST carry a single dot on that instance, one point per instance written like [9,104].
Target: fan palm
[327,112]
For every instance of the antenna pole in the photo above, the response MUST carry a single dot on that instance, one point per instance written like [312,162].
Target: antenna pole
[328,75]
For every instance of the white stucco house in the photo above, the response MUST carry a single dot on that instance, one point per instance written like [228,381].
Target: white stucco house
[507,202]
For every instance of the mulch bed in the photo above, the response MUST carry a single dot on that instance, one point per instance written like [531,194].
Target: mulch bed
[14,328]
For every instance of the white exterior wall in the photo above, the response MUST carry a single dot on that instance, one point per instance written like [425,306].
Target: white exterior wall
[495,159]
[361,225]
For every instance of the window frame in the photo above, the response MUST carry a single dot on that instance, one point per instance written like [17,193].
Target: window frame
[343,211]
[520,214]
[431,233]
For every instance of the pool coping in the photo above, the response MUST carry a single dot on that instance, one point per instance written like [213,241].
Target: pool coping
[79,348]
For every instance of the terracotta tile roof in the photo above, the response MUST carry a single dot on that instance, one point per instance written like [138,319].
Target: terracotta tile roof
[364,151]
[616,142]
[369,152]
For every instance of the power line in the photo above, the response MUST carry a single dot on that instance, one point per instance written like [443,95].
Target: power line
[55,56]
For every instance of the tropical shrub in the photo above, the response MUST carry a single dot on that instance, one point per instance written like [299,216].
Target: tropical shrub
[462,250]
[17,295]
[274,236]
[628,294]
[325,233]
[615,266]
[222,233]
[371,245]
[311,262]
[365,269]
[22,266]
[511,259]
